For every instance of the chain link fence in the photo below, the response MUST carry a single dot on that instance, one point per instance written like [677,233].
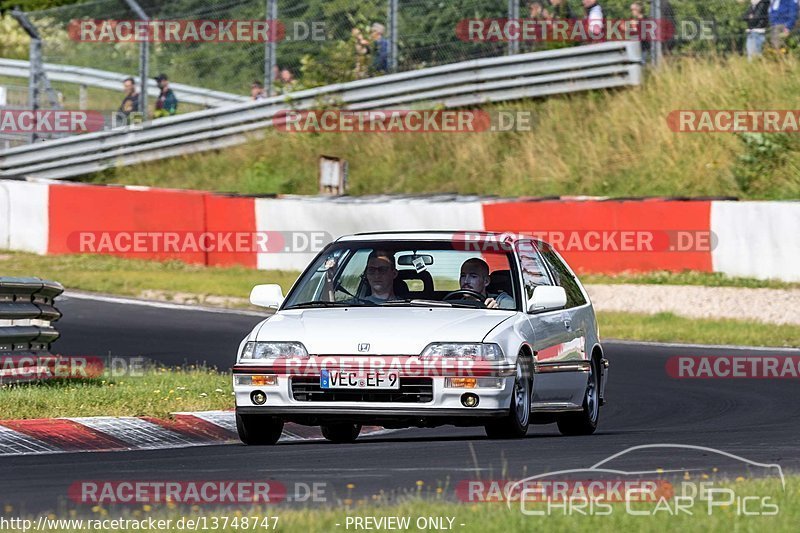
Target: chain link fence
[331,41]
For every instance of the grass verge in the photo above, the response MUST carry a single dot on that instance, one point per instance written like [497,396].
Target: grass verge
[767,496]
[687,277]
[157,392]
[667,327]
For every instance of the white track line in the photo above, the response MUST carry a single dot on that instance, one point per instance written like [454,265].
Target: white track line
[701,346]
[161,305]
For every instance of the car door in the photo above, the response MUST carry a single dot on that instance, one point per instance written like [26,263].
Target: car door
[546,329]
[568,360]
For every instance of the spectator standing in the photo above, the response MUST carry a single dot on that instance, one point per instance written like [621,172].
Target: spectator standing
[594,18]
[361,45]
[559,9]
[130,104]
[380,48]
[757,18]
[257,90]
[782,18]
[635,23]
[167,102]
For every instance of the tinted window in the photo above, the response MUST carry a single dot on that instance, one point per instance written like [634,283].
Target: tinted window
[563,277]
[533,270]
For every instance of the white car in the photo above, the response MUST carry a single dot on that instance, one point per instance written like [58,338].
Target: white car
[421,329]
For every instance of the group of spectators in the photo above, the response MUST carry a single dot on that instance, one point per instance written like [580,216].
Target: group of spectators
[166,103]
[776,17]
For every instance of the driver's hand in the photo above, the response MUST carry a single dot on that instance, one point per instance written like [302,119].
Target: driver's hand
[491,303]
[330,269]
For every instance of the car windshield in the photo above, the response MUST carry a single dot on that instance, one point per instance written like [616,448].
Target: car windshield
[396,273]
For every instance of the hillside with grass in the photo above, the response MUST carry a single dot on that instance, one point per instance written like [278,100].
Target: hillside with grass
[609,143]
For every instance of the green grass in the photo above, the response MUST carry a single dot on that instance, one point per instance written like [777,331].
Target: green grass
[687,277]
[131,277]
[156,392]
[497,517]
[606,143]
[667,327]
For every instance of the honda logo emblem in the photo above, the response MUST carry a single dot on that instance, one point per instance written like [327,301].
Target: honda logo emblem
[363,347]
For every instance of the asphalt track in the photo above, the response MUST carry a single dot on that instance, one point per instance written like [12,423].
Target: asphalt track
[752,418]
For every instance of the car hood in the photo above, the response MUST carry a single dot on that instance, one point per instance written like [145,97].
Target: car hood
[388,331]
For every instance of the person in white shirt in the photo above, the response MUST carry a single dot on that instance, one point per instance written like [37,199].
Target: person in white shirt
[594,18]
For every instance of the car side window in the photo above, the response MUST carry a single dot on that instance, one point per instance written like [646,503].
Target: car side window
[534,272]
[563,277]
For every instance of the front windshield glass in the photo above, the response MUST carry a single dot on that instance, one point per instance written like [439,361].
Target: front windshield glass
[407,274]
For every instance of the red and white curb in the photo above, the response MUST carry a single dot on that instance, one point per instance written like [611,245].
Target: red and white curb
[125,433]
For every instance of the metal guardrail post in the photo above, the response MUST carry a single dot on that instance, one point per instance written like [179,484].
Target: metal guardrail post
[656,49]
[513,14]
[270,47]
[394,35]
[144,57]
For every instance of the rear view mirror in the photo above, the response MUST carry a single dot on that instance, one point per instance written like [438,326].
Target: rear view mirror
[408,260]
[547,298]
[267,295]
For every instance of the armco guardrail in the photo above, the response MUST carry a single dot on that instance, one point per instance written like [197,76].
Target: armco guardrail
[92,77]
[27,308]
[598,66]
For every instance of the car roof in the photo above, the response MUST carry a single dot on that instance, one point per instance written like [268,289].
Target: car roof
[428,235]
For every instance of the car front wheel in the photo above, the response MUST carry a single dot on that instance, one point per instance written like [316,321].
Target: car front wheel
[584,422]
[515,424]
[258,430]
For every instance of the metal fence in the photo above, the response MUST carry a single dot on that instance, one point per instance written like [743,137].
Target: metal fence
[420,33]
[27,309]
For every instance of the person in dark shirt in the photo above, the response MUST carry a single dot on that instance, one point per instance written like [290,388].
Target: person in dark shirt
[559,9]
[380,51]
[130,104]
[757,18]
[167,103]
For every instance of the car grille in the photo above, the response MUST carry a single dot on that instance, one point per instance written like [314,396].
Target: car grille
[412,390]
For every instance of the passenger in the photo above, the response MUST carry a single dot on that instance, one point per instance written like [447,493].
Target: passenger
[380,273]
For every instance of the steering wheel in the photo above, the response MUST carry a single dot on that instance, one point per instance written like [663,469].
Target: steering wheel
[468,293]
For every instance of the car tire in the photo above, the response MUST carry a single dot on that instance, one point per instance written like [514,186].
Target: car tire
[341,433]
[515,424]
[258,430]
[585,422]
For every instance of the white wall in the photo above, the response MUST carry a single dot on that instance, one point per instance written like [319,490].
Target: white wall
[24,218]
[757,239]
[344,218]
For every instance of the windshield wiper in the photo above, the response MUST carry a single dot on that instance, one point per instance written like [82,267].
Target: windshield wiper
[419,302]
[317,303]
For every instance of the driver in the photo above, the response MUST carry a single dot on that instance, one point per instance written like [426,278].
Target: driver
[475,277]
[380,274]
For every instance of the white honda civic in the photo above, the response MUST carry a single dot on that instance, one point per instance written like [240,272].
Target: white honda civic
[421,329]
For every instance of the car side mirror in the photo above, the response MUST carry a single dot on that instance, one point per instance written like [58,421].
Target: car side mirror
[270,295]
[547,298]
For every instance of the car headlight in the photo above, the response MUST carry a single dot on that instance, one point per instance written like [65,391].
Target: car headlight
[273,350]
[461,350]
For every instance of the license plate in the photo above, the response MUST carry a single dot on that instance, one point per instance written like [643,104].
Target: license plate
[342,379]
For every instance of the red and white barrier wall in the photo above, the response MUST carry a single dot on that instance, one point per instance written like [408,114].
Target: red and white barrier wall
[752,239]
